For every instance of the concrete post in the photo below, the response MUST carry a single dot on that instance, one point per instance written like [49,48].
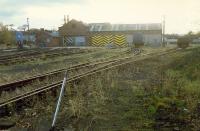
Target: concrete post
[59,100]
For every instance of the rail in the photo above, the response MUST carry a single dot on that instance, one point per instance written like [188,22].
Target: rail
[108,66]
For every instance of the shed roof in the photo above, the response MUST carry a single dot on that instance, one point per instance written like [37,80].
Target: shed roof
[95,27]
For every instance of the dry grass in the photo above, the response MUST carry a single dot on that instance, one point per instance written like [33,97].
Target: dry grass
[118,99]
[15,72]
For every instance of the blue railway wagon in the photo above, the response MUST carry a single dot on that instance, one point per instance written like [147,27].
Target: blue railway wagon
[19,39]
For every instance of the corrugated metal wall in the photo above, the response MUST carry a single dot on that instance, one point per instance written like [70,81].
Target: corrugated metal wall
[124,40]
[148,39]
[119,40]
[115,39]
[129,39]
[153,39]
[103,40]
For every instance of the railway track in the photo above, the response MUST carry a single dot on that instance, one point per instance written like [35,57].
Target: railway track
[23,82]
[97,67]
[19,53]
[26,81]
[24,56]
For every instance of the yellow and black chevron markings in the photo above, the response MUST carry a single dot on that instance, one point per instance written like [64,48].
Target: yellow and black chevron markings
[102,40]
[96,40]
[119,40]
[108,39]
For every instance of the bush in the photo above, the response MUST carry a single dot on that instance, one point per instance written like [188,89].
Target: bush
[7,38]
[183,42]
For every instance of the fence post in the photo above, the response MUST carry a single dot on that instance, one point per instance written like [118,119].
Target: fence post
[59,101]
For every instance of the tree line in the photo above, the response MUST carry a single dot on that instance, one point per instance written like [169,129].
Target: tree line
[7,38]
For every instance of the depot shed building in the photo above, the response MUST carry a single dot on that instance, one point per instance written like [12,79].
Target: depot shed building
[76,33]
[123,34]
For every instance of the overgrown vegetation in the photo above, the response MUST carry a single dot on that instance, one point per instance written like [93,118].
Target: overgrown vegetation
[156,94]
[176,103]
[149,97]
[183,42]
[6,37]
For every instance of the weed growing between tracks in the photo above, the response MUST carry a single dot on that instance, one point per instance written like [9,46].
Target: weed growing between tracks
[86,99]
[140,96]
[110,100]
[149,95]
[23,70]
[5,95]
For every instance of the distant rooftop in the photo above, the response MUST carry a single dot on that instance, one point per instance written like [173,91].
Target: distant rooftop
[93,27]
[54,34]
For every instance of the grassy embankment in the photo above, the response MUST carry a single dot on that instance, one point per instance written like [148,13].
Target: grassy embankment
[156,94]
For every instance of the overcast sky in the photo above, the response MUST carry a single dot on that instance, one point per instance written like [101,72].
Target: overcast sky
[181,15]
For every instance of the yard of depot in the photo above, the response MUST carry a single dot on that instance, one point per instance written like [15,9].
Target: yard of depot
[159,93]
[43,65]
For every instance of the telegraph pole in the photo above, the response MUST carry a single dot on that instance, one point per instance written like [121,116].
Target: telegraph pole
[163,31]
[28,23]
[65,19]
[28,31]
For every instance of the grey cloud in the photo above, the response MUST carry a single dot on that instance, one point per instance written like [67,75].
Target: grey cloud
[9,13]
[9,8]
[6,13]
[38,2]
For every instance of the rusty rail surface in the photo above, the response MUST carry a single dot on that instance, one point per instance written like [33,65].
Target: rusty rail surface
[109,65]
[23,82]
[21,57]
